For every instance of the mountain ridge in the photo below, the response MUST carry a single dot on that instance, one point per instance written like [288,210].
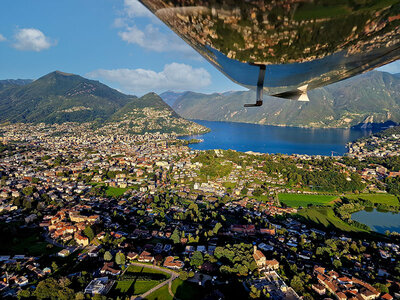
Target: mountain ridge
[60,97]
[340,105]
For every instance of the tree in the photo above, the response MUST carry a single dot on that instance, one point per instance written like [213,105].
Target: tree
[28,191]
[297,284]
[89,233]
[175,237]
[108,256]
[80,296]
[242,270]
[217,227]
[257,192]
[54,266]
[196,259]
[381,287]
[254,292]
[219,252]
[54,290]
[337,263]
[183,275]
[24,294]
[27,203]
[120,258]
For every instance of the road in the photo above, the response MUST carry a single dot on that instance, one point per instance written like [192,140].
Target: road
[173,274]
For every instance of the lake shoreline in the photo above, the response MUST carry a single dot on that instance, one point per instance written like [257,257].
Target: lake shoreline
[244,137]
[360,126]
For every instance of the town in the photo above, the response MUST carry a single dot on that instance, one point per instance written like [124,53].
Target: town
[92,213]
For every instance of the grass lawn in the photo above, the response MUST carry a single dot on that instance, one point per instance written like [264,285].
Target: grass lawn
[229,184]
[388,199]
[324,216]
[124,285]
[138,269]
[132,287]
[138,280]
[160,294]
[115,191]
[296,200]
[142,286]
[182,290]
[263,198]
[185,290]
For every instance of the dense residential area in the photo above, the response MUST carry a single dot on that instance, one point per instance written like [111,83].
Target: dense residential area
[88,213]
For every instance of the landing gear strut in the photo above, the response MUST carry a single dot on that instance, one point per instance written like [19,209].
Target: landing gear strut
[260,86]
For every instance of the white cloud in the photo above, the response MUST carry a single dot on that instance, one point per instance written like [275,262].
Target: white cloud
[174,76]
[31,39]
[151,38]
[134,8]
[2,38]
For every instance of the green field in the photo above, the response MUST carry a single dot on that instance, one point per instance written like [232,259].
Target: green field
[160,294]
[325,217]
[143,270]
[263,198]
[388,199]
[183,290]
[115,191]
[296,200]
[137,280]
[228,184]
[133,287]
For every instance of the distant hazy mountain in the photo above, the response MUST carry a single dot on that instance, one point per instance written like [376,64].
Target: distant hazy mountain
[370,98]
[13,82]
[61,97]
[170,97]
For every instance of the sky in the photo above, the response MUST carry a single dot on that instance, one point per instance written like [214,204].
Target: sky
[118,42]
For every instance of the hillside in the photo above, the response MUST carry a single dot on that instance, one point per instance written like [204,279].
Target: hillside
[370,98]
[151,114]
[61,97]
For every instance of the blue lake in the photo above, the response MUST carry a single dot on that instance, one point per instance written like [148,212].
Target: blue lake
[274,139]
[378,221]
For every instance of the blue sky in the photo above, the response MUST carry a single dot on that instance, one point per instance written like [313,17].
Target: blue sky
[115,41]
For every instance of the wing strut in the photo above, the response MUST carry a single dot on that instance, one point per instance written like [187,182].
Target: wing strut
[260,86]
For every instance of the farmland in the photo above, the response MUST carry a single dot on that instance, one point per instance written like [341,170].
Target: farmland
[387,199]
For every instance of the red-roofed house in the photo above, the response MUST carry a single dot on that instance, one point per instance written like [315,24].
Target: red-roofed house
[171,263]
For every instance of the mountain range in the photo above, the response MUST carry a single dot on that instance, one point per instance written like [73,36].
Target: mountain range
[62,97]
[367,99]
